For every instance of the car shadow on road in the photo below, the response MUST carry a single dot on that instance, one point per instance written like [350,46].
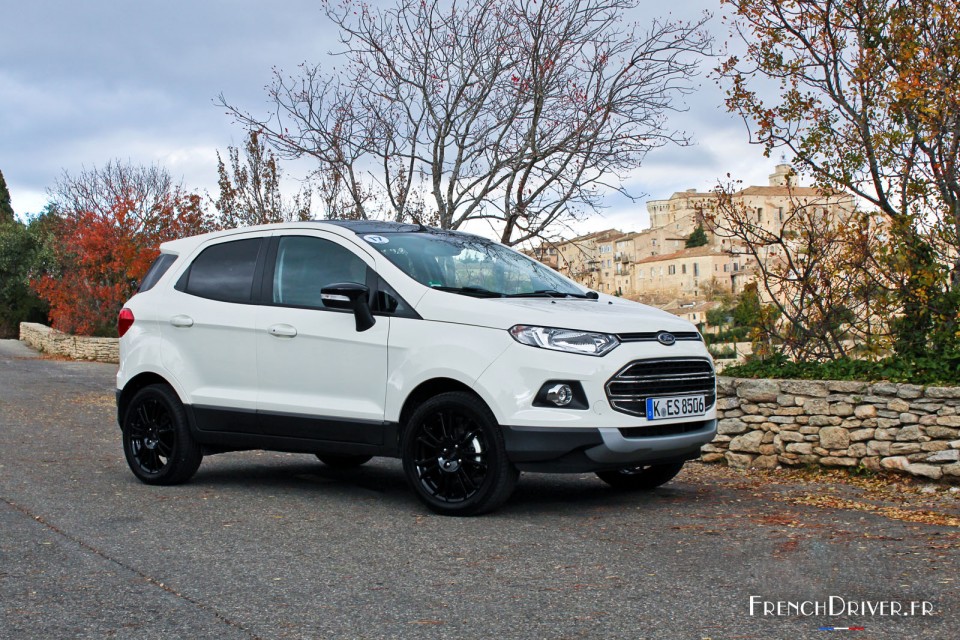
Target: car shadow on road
[383,479]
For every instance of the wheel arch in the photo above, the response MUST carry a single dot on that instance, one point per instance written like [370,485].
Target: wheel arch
[428,389]
[134,385]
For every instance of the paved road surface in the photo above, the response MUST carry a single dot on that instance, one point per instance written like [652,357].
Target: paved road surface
[263,545]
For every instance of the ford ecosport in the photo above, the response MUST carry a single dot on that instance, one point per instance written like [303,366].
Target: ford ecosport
[351,339]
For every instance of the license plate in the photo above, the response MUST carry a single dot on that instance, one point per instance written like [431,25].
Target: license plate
[676,407]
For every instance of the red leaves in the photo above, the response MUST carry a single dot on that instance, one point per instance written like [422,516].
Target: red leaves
[103,256]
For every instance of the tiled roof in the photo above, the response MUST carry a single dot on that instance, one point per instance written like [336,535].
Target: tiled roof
[696,252]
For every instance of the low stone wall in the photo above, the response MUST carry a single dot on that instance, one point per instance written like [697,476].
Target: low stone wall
[47,340]
[881,426]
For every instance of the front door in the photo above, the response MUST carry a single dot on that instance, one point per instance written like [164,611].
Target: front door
[319,378]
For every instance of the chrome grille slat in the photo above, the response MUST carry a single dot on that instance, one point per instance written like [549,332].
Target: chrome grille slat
[628,391]
[669,376]
[651,336]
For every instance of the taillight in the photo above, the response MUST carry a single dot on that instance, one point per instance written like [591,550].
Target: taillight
[124,321]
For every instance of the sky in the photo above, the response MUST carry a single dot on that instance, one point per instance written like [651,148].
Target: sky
[82,83]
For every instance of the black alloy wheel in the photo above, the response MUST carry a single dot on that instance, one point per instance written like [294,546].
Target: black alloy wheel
[156,437]
[454,456]
[643,477]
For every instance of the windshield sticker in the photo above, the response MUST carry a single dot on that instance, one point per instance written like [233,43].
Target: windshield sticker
[376,239]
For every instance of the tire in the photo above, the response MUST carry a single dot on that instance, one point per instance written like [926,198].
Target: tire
[342,461]
[454,457]
[156,438]
[641,478]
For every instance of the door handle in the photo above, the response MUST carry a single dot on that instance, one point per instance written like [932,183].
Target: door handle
[282,331]
[181,321]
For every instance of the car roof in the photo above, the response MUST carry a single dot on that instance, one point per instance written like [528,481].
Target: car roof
[360,227]
[341,227]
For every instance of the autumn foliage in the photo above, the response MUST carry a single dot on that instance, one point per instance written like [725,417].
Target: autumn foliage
[869,92]
[103,254]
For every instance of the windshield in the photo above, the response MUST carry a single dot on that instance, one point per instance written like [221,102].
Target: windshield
[470,265]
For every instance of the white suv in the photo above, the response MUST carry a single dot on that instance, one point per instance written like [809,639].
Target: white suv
[351,339]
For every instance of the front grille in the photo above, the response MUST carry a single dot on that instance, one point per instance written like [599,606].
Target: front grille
[651,336]
[628,391]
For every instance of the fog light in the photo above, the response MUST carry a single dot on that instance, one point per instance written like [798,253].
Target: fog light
[560,394]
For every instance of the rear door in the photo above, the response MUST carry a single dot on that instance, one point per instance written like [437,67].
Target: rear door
[319,378]
[208,324]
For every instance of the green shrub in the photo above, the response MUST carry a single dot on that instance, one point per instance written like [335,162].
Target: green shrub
[930,370]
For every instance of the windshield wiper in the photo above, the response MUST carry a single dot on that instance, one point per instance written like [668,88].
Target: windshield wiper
[553,293]
[478,292]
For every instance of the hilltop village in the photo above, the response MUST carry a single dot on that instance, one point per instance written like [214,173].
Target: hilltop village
[689,261]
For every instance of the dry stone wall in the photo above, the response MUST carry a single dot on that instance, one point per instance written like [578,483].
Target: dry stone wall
[880,426]
[47,340]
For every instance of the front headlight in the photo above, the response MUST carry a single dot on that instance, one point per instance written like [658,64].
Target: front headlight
[570,340]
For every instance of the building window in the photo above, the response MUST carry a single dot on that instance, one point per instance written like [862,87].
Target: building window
[696,269]
[780,210]
[671,269]
[759,214]
[683,269]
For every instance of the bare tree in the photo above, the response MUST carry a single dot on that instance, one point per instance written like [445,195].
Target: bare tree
[250,190]
[152,203]
[99,190]
[816,269]
[520,113]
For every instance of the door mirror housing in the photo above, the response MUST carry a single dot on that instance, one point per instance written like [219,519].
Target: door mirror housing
[352,297]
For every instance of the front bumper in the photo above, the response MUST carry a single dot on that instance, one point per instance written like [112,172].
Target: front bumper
[579,450]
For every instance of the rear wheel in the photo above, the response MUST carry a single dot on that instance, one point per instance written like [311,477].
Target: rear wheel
[454,457]
[342,461]
[156,437]
[643,477]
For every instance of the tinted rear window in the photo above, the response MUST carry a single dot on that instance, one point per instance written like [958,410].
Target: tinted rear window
[224,271]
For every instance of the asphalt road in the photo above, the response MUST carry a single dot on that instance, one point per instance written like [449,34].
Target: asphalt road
[264,545]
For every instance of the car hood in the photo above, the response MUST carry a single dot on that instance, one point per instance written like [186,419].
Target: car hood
[607,314]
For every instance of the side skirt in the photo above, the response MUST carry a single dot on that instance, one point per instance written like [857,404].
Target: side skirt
[221,430]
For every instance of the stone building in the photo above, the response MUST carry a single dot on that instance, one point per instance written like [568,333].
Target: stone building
[685,273]
[581,257]
[656,261]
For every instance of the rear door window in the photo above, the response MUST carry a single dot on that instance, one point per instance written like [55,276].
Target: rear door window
[224,271]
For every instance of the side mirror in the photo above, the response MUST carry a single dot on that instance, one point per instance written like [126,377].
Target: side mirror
[352,297]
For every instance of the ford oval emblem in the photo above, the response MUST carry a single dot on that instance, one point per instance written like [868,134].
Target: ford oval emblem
[666,339]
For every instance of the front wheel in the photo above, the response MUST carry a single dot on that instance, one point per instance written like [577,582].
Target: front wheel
[454,457]
[156,437]
[643,477]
